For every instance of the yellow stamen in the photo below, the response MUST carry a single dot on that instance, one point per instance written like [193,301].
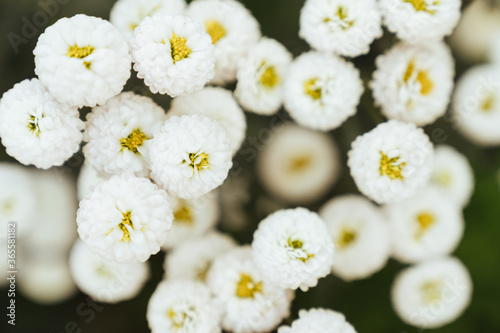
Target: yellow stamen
[178,319]
[202,164]
[215,30]
[420,5]
[425,221]
[347,237]
[269,78]
[312,89]
[297,244]
[432,291]
[390,167]
[299,163]
[426,83]
[133,141]
[178,48]
[80,52]
[488,103]
[201,273]
[126,220]
[33,125]
[183,214]
[443,178]
[247,288]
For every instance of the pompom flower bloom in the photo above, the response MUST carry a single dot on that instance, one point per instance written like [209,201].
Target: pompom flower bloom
[103,280]
[360,235]
[433,293]
[35,128]
[420,20]
[293,248]
[233,29]
[318,321]
[190,156]
[413,83]
[261,76]
[172,54]
[182,306]
[124,219]
[322,90]
[343,27]
[118,132]
[82,60]
[391,162]
[298,165]
[249,302]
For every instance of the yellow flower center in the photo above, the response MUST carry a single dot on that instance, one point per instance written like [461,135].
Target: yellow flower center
[299,164]
[432,291]
[488,103]
[33,125]
[178,319]
[421,5]
[81,52]
[7,206]
[183,214]
[134,140]
[425,221]
[126,220]
[426,84]
[104,271]
[342,16]
[390,167]
[347,237]
[246,287]
[269,78]
[215,30]
[201,273]
[297,245]
[198,161]
[312,89]
[442,178]
[178,47]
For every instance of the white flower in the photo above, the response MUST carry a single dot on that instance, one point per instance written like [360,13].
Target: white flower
[190,156]
[126,15]
[452,174]
[233,30]
[82,60]
[322,90]
[344,27]
[172,54]
[182,306]
[118,132]
[319,320]
[494,50]
[414,82]
[35,128]
[360,235]
[18,201]
[293,248]
[298,165]
[124,219]
[391,162]
[218,104]
[103,280]
[419,20]
[476,105]
[260,75]
[426,226]
[87,179]
[249,302]
[192,259]
[192,218]
[433,293]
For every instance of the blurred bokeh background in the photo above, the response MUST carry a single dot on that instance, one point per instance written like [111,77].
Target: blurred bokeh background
[365,303]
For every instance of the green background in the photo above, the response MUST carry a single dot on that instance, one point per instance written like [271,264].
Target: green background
[366,303]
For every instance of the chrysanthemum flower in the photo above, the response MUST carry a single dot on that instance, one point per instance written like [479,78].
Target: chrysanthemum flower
[249,302]
[343,27]
[420,20]
[494,50]
[35,128]
[172,54]
[452,175]
[117,134]
[124,219]
[319,320]
[426,226]
[182,306]
[82,60]
[218,104]
[360,235]
[293,248]
[233,29]
[433,293]
[104,280]
[298,165]
[192,218]
[261,76]
[391,162]
[190,156]
[87,179]
[193,259]
[126,15]
[413,83]
[476,105]
[322,90]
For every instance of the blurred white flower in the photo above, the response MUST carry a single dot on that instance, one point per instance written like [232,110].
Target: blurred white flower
[344,27]
[391,162]
[249,302]
[172,54]
[322,90]
[261,74]
[414,82]
[494,51]
[35,128]
[432,294]
[87,178]
[298,165]
[359,232]
[293,248]
[319,320]
[124,219]
[82,60]
[233,30]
